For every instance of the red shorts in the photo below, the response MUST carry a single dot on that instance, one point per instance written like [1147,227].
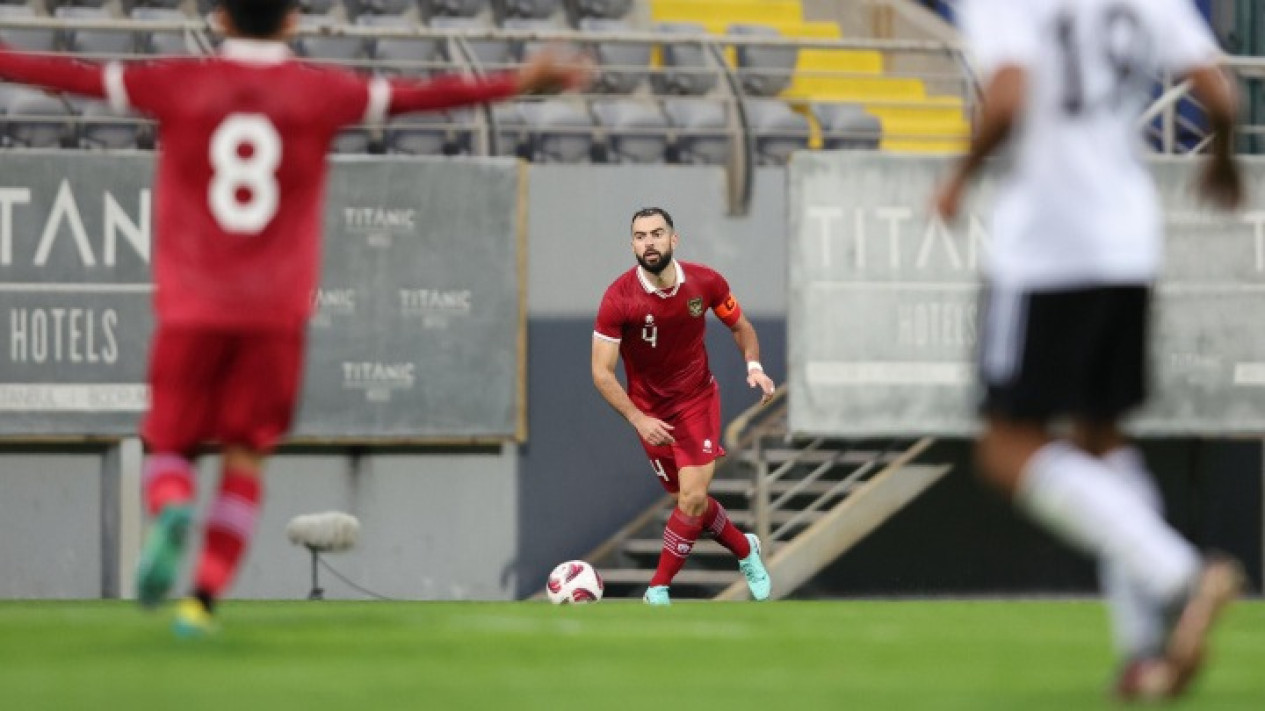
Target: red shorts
[696,429]
[231,387]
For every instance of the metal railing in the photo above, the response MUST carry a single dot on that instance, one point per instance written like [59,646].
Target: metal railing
[480,132]
[1174,124]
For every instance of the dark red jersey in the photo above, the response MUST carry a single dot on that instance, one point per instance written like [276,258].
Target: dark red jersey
[660,334]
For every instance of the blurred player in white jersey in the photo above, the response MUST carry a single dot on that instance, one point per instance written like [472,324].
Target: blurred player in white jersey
[1076,247]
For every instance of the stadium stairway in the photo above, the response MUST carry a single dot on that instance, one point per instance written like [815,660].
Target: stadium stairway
[810,500]
[912,121]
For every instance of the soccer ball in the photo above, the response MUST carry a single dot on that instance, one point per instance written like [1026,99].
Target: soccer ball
[574,581]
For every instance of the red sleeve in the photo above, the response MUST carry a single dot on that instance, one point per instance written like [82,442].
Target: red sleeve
[449,91]
[53,72]
[610,318]
[149,87]
[723,301]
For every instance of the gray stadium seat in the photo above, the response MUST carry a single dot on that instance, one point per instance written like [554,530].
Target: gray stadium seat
[424,133]
[610,9]
[686,69]
[352,140]
[31,40]
[97,131]
[316,7]
[778,130]
[332,47]
[845,126]
[413,55]
[100,42]
[621,65]
[170,4]
[764,71]
[560,131]
[510,125]
[164,43]
[703,134]
[490,54]
[51,130]
[537,9]
[636,131]
[521,50]
[452,8]
[384,7]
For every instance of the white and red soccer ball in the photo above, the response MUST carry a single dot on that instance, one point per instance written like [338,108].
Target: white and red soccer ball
[574,582]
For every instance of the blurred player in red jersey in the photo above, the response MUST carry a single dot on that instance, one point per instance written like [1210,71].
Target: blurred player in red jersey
[240,181]
[654,316]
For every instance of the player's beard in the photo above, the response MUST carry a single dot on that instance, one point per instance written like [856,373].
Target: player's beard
[665,258]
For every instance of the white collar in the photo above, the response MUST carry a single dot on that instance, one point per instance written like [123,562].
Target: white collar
[255,51]
[650,288]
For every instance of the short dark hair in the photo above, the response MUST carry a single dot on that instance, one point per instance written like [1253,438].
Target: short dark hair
[651,212]
[258,18]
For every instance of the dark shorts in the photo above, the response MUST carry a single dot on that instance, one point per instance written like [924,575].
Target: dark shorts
[230,387]
[696,429]
[1076,352]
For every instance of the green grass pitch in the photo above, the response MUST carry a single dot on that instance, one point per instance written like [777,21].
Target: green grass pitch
[1012,655]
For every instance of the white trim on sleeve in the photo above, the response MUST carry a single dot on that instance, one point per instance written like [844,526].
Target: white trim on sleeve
[379,100]
[115,88]
[604,337]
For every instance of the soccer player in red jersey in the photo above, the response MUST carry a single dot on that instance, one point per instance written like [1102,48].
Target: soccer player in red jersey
[654,316]
[240,181]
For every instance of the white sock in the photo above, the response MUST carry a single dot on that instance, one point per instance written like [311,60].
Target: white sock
[1079,499]
[1137,623]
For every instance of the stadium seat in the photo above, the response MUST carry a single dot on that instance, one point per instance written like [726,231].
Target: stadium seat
[424,133]
[32,39]
[510,127]
[847,126]
[621,65]
[97,42]
[778,130]
[316,7]
[169,4]
[703,134]
[560,131]
[608,9]
[414,55]
[636,131]
[520,50]
[353,140]
[331,47]
[37,120]
[490,54]
[98,131]
[536,9]
[452,8]
[686,69]
[164,43]
[384,7]
[764,71]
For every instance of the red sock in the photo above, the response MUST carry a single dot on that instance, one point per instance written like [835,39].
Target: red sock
[229,528]
[167,479]
[678,540]
[716,524]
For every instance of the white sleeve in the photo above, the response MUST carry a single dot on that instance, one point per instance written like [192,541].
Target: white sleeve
[1187,42]
[1000,33]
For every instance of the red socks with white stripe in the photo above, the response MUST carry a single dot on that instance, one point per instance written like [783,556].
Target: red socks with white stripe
[678,540]
[167,480]
[716,524]
[229,528]
[683,531]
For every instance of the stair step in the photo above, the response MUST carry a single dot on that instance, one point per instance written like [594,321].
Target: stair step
[705,547]
[641,576]
[744,518]
[741,487]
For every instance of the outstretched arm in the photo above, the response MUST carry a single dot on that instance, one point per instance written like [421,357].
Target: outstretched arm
[56,73]
[547,72]
[605,356]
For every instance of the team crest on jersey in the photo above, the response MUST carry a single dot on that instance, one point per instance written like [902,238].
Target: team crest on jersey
[695,306]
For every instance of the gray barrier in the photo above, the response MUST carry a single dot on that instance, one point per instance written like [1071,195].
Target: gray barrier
[882,307]
[419,329]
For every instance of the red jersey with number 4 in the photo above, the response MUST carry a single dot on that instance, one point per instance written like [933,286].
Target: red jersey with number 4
[660,334]
[241,167]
